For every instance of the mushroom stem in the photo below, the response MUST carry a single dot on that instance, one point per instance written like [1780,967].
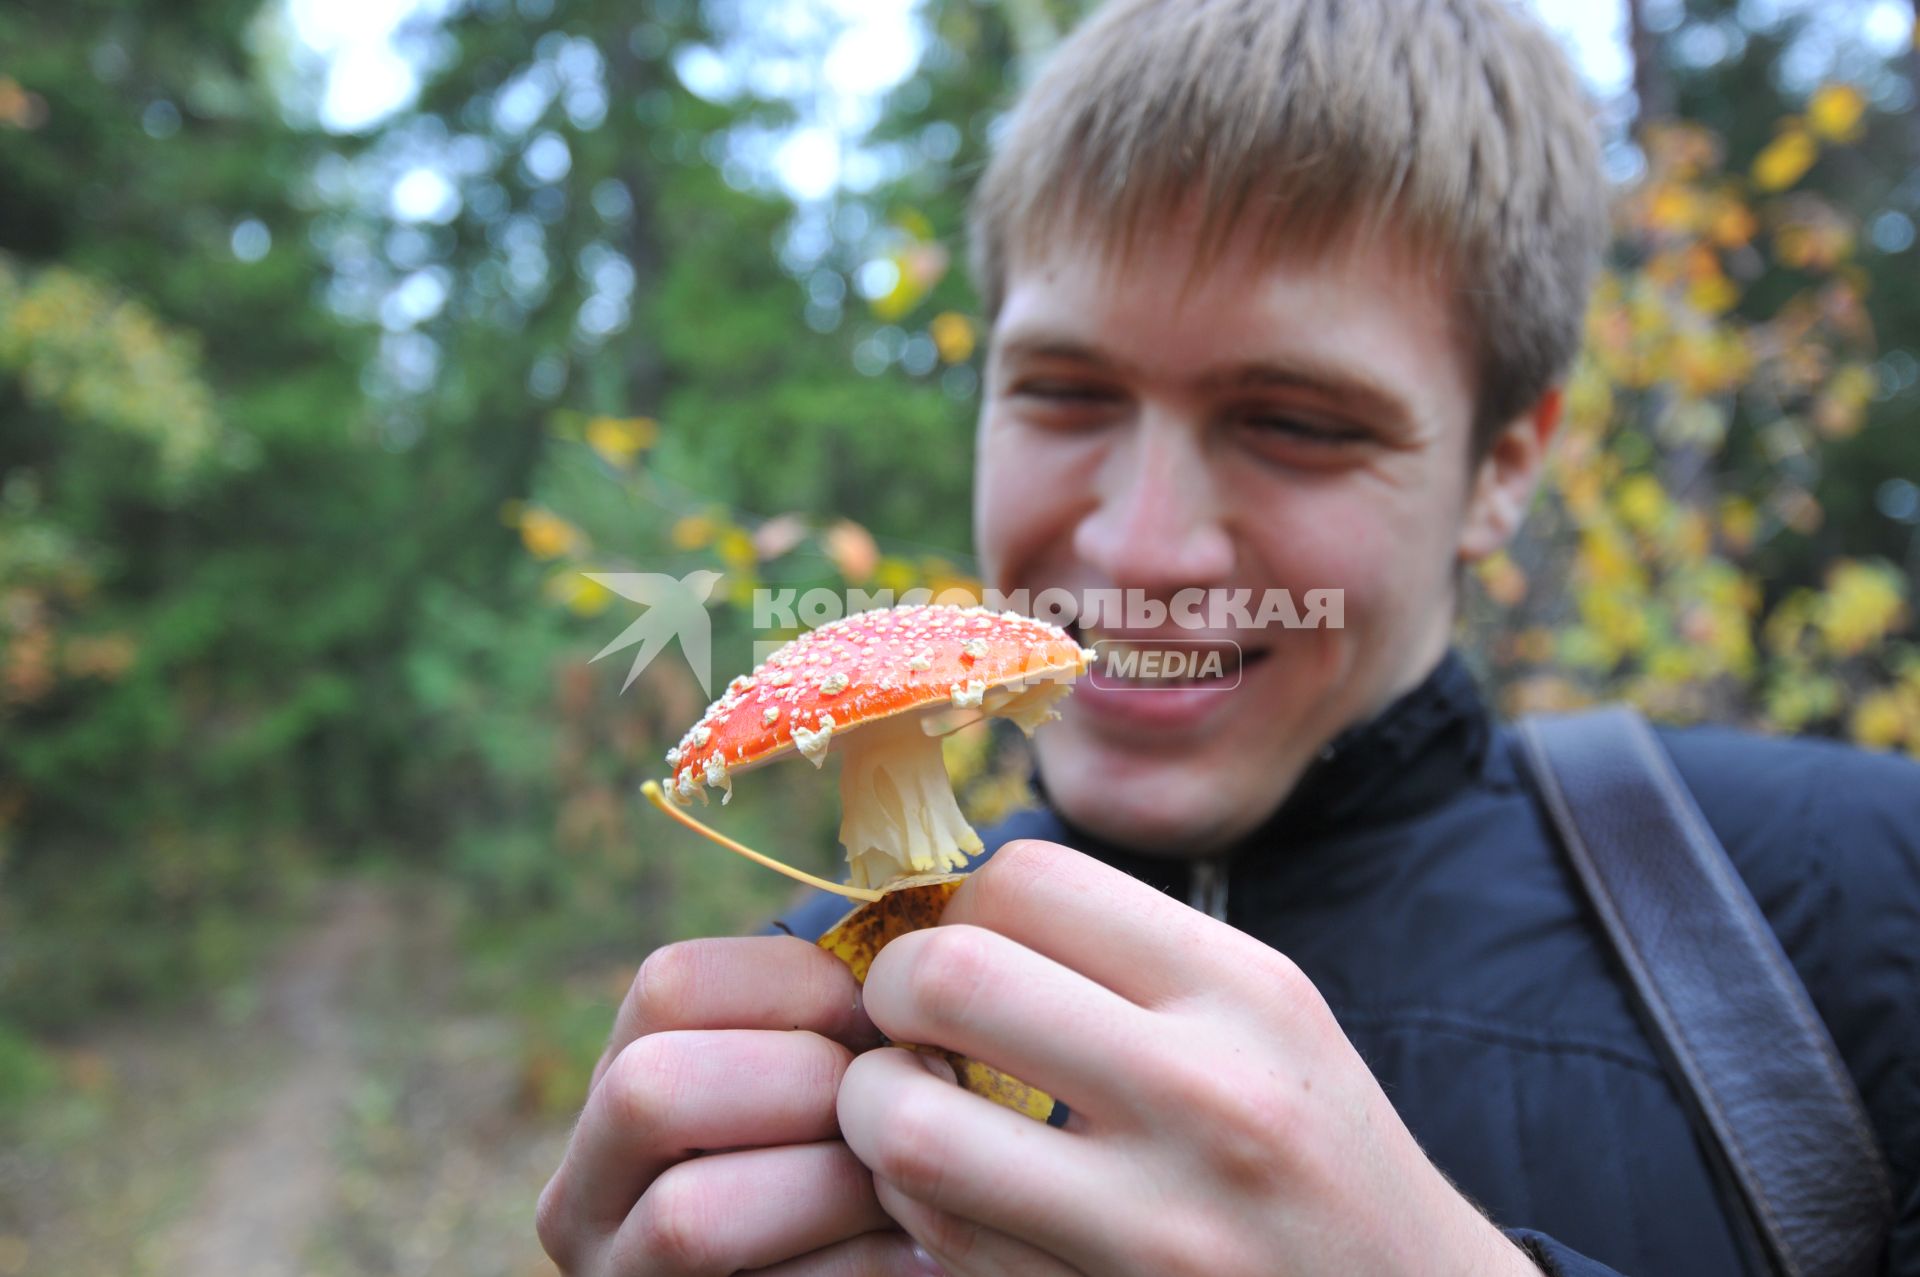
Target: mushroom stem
[898,816]
[653,795]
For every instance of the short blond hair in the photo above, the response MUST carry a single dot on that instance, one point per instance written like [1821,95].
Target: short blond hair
[1456,122]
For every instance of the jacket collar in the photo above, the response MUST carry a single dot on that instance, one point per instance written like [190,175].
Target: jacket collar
[1414,754]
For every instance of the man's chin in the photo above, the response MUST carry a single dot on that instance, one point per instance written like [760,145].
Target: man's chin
[1176,808]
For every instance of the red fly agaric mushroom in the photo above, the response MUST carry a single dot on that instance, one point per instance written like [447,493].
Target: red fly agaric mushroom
[865,688]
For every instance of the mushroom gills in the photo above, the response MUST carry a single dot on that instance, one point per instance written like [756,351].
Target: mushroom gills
[898,814]
[1030,706]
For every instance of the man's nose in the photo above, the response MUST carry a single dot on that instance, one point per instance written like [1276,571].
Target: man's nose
[1160,522]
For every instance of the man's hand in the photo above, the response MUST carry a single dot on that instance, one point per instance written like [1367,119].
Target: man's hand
[1221,1122]
[709,1142]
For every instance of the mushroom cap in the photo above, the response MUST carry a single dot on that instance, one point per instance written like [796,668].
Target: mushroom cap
[867,666]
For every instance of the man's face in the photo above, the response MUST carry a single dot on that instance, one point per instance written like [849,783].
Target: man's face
[1298,426]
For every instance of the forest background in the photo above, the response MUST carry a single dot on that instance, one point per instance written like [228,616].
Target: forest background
[321,857]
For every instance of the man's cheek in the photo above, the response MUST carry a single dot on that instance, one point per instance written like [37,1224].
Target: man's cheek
[1338,548]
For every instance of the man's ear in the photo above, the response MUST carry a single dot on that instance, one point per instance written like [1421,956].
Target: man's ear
[1504,481]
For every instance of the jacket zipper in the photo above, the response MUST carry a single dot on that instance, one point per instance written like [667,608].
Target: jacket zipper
[1207,887]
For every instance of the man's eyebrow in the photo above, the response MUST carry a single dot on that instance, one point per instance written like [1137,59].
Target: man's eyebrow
[1047,346]
[1350,385]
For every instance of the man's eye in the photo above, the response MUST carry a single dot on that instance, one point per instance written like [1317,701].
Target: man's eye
[1295,430]
[1063,392]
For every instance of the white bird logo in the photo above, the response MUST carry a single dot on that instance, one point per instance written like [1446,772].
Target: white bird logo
[676,608]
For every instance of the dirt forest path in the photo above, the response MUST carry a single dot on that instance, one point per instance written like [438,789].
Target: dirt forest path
[271,1181]
[354,1119]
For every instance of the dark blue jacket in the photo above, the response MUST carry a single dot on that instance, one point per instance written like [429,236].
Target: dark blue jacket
[1413,876]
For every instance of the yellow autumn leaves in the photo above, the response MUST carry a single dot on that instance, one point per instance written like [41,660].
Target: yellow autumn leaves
[104,361]
[910,262]
[100,363]
[1835,113]
[1643,578]
[619,440]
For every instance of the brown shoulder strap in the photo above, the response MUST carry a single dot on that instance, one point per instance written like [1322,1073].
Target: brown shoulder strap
[1764,1084]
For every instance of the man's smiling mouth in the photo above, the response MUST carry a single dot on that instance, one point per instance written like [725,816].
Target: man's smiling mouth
[1165,660]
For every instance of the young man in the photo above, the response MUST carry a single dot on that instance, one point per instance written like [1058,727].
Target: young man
[1281,294]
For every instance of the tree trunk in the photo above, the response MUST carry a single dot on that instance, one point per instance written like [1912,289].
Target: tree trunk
[1652,87]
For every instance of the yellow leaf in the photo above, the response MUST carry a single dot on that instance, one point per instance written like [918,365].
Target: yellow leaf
[694,532]
[952,336]
[736,549]
[1583,493]
[912,904]
[1836,111]
[1862,605]
[955,590]
[546,535]
[1814,244]
[1733,224]
[1642,502]
[917,268]
[1854,384]
[895,575]
[1880,720]
[1604,560]
[913,222]
[589,597]
[1671,664]
[1785,159]
[949,585]
[619,439]
[1712,294]
[1674,208]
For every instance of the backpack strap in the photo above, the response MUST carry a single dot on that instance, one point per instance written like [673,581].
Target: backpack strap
[1760,1076]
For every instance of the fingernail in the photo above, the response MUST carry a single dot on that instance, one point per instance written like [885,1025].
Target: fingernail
[938,1066]
[924,1262]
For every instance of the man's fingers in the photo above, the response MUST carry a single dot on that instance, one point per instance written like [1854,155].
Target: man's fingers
[746,1210]
[1032,891]
[989,997]
[962,1246]
[671,1094]
[886,1254]
[745,982]
[965,1155]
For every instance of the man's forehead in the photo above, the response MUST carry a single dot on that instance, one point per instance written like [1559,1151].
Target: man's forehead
[1072,283]
[1062,292]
